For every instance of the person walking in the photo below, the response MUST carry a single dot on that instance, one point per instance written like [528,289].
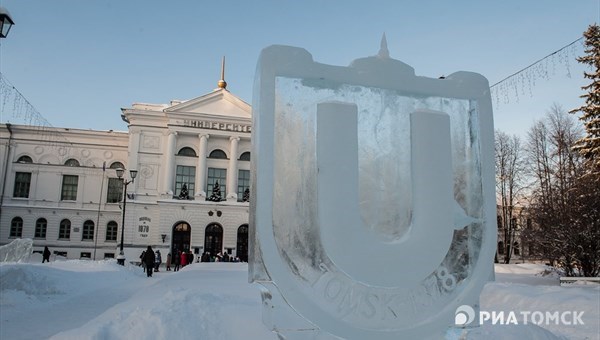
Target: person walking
[177,260]
[46,255]
[168,261]
[157,260]
[149,261]
[142,259]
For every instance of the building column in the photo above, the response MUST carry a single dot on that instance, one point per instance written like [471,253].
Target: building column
[232,176]
[170,160]
[132,161]
[201,166]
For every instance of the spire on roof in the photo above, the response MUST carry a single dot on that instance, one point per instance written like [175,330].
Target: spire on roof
[384,53]
[222,84]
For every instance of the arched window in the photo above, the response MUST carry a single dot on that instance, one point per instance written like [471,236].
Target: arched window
[64,230]
[88,231]
[111,231]
[218,154]
[72,162]
[187,151]
[24,159]
[40,228]
[16,227]
[117,165]
[245,156]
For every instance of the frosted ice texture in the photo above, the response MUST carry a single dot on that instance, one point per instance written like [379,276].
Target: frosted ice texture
[18,250]
[291,252]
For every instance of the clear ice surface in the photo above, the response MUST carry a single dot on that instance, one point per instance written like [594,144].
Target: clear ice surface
[373,208]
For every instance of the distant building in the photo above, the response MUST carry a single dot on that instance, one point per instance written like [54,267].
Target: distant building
[191,191]
[521,248]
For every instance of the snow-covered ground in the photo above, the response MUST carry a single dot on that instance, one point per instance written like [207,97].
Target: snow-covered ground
[101,300]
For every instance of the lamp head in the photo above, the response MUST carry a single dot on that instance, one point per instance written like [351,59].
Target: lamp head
[120,172]
[6,22]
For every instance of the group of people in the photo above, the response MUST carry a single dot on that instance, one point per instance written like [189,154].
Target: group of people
[150,260]
[225,257]
[181,259]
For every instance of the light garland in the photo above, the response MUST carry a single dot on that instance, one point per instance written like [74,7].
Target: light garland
[522,82]
[21,111]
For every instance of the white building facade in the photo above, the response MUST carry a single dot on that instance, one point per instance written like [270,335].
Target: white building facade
[59,186]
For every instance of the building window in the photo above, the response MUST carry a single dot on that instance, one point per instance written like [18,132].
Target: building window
[185,179]
[111,231]
[88,231]
[218,154]
[215,186]
[85,255]
[16,227]
[40,228]
[109,255]
[115,190]
[187,151]
[24,159]
[243,185]
[60,253]
[72,162]
[22,183]
[64,230]
[245,156]
[117,165]
[69,188]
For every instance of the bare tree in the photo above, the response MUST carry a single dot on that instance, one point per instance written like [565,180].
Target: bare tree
[563,207]
[509,184]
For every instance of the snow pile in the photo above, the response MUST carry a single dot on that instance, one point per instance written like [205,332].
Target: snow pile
[77,299]
[18,250]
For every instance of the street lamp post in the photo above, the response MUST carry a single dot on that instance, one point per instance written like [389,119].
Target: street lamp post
[132,174]
[6,22]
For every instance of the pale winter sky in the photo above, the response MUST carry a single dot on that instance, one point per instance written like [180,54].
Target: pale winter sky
[79,62]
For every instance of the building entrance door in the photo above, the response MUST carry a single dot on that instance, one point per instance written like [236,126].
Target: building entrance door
[242,243]
[181,238]
[213,239]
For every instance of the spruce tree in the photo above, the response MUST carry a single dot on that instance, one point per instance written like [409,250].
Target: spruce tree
[589,145]
[216,193]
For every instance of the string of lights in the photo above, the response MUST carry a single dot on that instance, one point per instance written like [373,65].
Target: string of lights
[523,81]
[14,106]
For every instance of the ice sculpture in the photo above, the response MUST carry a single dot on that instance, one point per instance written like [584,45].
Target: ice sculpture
[19,250]
[372,208]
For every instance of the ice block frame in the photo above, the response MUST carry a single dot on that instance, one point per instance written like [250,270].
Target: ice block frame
[372,201]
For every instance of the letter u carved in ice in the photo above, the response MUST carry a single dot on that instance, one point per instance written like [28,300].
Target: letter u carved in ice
[354,249]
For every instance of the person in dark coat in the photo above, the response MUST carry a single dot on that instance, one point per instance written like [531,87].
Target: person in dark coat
[142,263]
[157,260]
[46,255]
[176,260]
[190,257]
[149,261]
